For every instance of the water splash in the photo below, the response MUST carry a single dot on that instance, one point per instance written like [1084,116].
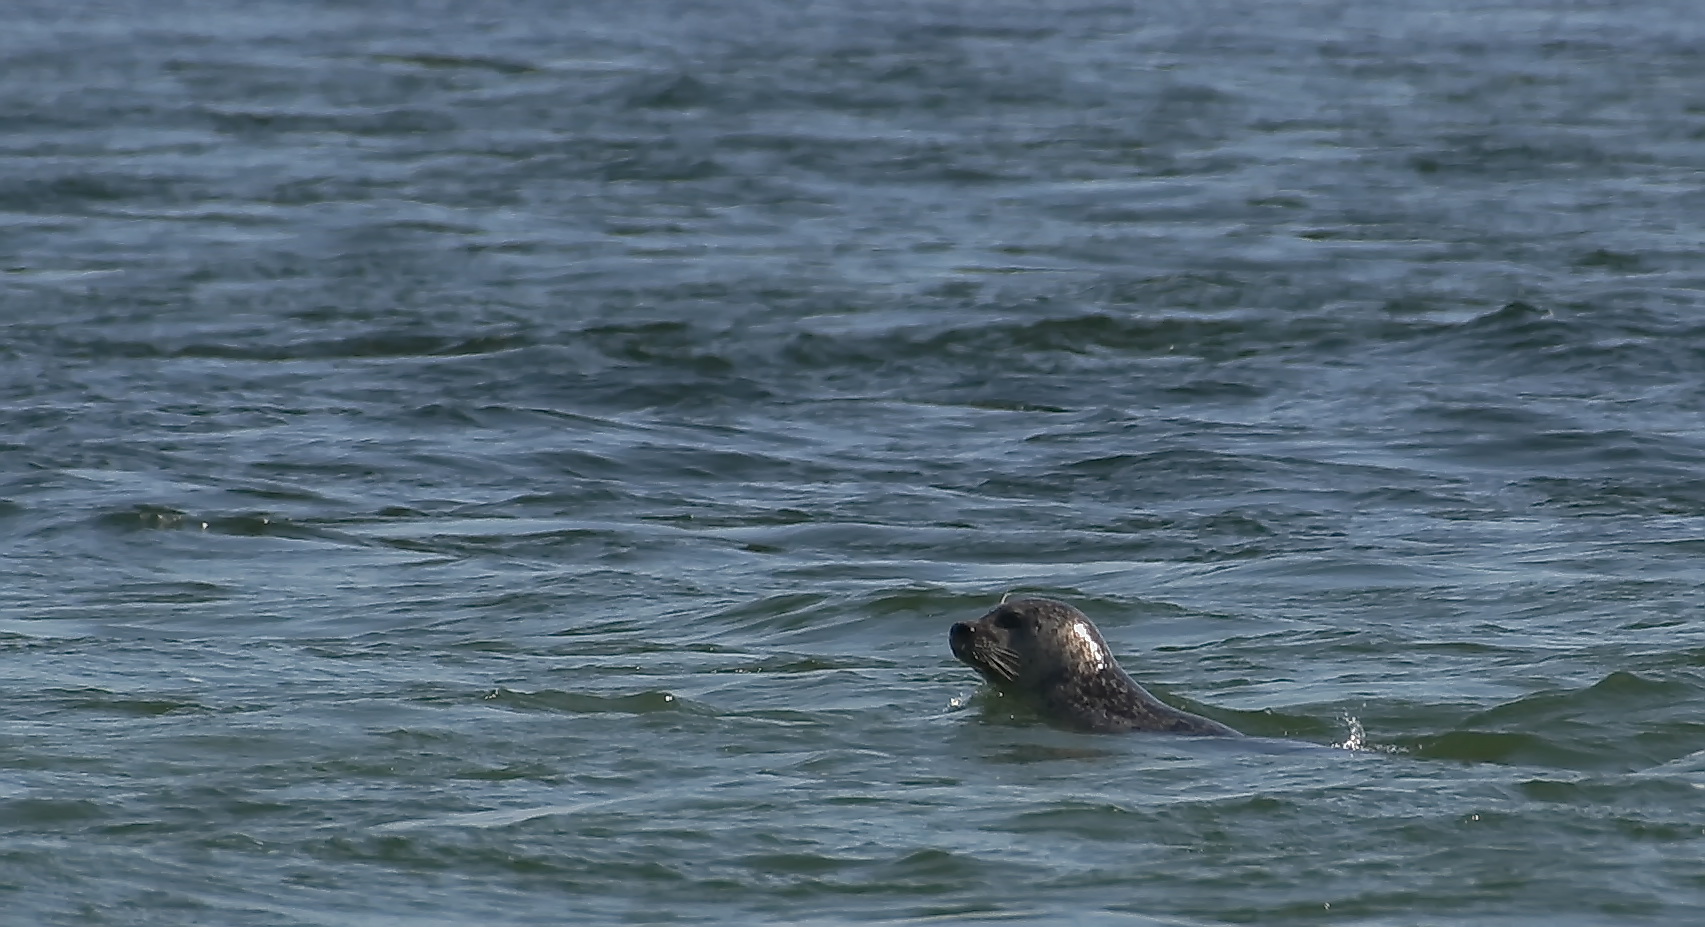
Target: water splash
[1356,738]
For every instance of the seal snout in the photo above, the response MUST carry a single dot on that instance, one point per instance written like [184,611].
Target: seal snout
[962,639]
[959,638]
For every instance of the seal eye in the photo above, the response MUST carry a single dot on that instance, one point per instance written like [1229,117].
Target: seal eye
[1008,621]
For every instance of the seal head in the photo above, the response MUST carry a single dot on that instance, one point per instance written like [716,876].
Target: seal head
[1049,654]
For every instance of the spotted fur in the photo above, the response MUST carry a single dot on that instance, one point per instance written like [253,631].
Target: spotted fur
[1051,655]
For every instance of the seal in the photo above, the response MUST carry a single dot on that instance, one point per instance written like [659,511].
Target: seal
[1049,654]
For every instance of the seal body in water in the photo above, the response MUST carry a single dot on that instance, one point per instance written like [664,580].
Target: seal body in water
[1049,654]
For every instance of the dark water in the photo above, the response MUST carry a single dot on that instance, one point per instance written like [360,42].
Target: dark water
[516,463]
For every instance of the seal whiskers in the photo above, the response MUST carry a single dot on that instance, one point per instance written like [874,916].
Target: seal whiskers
[1002,661]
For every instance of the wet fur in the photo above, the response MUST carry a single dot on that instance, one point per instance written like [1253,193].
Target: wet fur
[1051,655]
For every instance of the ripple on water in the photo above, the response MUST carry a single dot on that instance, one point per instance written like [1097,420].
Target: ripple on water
[476,463]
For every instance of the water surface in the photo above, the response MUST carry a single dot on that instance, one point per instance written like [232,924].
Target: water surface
[516,463]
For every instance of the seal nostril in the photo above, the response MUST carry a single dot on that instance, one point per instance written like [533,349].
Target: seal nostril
[959,629]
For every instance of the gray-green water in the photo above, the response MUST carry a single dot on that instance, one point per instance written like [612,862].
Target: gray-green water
[516,463]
